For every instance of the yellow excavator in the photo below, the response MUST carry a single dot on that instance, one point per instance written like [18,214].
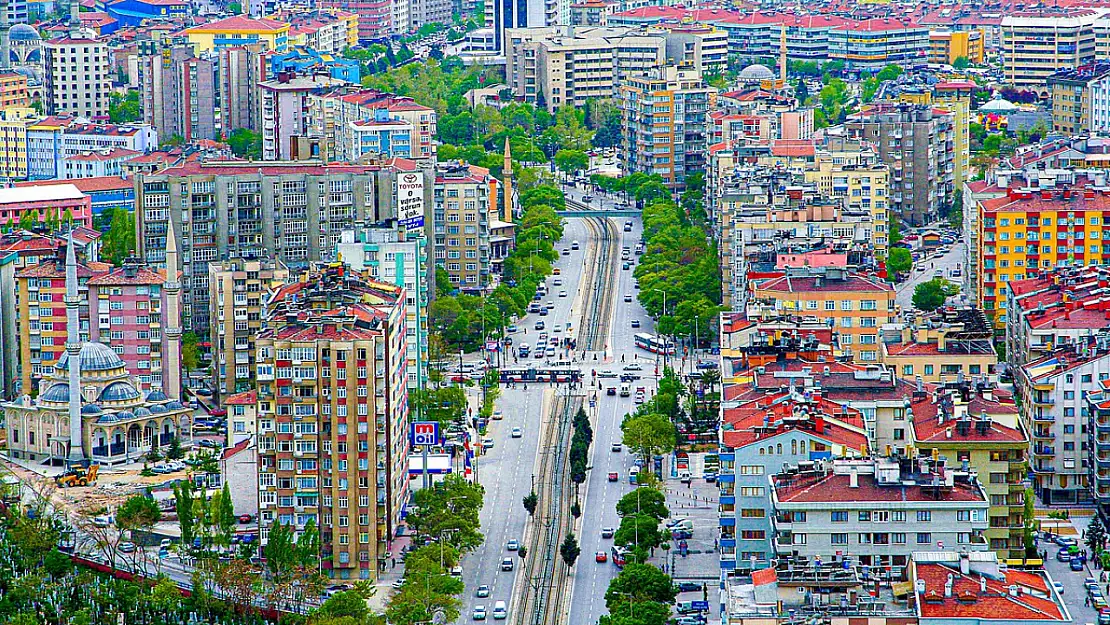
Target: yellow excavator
[78,476]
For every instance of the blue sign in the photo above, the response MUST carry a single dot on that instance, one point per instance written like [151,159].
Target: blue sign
[700,605]
[424,432]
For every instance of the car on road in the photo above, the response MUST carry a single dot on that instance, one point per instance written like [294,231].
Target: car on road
[512,545]
[557,282]
[1065,541]
[1076,564]
[562,293]
[606,373]
[615,447]
[610,390]
[498,415]
[639,399]
[539,325]
[203,392]
[550,352]
[628,297]
[625,266]
[127,547]
[1063,555]
[710,477]
[574,244]
[483,591]
[507,564]
[686,586]
[601,556]
[517,433]
[587,199]
[397,583]
[688,620]
[607,532]
[500,611]
[635,323]
[479,613]
[456,571]
[556,271]
[634,366]
[487,442]
[614,476]
[511,329]
[566,252]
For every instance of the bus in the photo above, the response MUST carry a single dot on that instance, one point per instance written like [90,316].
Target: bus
[654,344]
[546,374]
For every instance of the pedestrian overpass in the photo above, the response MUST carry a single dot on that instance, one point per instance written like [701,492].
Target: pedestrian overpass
[625,212]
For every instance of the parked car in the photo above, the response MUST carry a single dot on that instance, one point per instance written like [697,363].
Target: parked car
[245,518]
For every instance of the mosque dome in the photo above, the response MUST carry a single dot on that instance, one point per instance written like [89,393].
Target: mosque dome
[108,417]
[174,405]
[59,393]
[756,72]
[94,357]
[119,391]
[156,395]
[142,412]
[90,409]
[125,415]
[157,409]
[23,32]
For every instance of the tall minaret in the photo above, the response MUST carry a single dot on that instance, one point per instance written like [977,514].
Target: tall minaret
[507,174]
[73,350]
[171,321]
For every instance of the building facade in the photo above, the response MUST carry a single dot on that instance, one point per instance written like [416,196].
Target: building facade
[77,77]
[179,94]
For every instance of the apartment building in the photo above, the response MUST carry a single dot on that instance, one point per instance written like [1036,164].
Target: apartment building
[292,212]
[13,142]
[45,202]
[241,68]
[513,15]
[242,423]
[121,307]
[946,46]
[324,455]
[374,17]
[238,30]
[354,123]
[665,123]
[13,91]
[238,291]
[51,140]
[1037,44]
[1098,444]
[76,77]
[178,92]
[758,438]
[879,510]
[953,97]
[462,221]
[423,12]
[285,113]
[1080,99]
[944,346]
[1053,391]
[385,256]
[872,44]
[572,65]
[1037,220]
[1058,306]
[855,305]
[918,144]
[326,32]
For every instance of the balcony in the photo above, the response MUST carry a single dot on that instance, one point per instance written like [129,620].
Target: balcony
[1103,428]
[1044,450]
[1044,417]
[1044,468]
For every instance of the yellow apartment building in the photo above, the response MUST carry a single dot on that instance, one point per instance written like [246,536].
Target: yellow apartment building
[239,30]
[945,46]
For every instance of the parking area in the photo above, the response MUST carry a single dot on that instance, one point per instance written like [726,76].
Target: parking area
[695,501]
[1071,583]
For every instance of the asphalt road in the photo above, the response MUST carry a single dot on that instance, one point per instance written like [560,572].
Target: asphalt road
[505,470]
[598,496]
[925,269]
[1073,593]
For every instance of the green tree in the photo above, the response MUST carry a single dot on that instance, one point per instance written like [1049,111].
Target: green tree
[898,261]
[930,295]
[1030,525]
[894,230]
[801,92]
[640,530]
[531,500]
[346,604]
[961,63]
[190,351]
[648,434]
[118,243]
[570,550]
[451,510]
[28,220]
[639,583]
[280,550]
[570,161]
[235,8]
[224,514]
[308,545]
[890,72]
[1096,536]
[183,504]
[125,108]
[137,513]
[246,143]
[644,500]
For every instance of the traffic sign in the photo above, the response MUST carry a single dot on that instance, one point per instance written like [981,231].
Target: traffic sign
[700,605]
[425,432]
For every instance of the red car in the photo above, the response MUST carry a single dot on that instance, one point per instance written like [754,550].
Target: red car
[601,557]
[217,412]
[613,476]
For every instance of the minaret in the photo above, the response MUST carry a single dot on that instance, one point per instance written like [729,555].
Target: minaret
[75,18]
[507,174]
[73,350]
[782,57]
[171,321]
[5,28]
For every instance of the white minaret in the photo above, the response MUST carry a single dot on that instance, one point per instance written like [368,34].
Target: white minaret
[73,349]
[171,356]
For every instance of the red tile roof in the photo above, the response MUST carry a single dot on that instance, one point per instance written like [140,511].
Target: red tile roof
[85,185]
[832,487]
[828,421]
[857,284]
[119,277]
[240,23]
[968,603]
[238,447]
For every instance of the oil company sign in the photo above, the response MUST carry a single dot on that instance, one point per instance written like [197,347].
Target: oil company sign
[410,200]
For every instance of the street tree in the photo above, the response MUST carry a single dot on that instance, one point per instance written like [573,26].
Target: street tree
[640,530]
[643,500]
[637,583]
[570,550]
[570,161]
[898,262]
[931,295]
[648,434]
[137,513]
[531,500]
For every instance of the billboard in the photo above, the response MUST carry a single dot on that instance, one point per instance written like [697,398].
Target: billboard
[424,432]
[410,200]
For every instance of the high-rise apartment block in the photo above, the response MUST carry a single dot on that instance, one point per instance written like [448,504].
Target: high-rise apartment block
[238,292]
[332,427]
[1038,43]
[567,65]
[76,76]
[461,220]
[665,123]
[352,124]
[178,91]
[918,143]
[292,212]
[241,68]
[285,117]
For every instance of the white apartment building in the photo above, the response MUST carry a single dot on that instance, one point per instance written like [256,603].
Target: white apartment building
[76,77]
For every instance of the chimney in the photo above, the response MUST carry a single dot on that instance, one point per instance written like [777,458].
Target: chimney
[853,478]
[965,562]
[948,586]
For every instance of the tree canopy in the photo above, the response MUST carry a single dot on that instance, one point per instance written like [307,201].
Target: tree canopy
[931,295]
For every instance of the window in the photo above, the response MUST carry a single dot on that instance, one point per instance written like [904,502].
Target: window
[752,513]
[880,516]
[798,539]
[839,539]
[751,469]
[864,516]
[924,516]
[924,538]
[751,491]
[898,538]
[840,516]
[753,534]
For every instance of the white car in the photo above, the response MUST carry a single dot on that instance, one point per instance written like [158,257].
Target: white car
[513,545]
[634,367]
[517,433]
[562,293]
[483,591]
[479,613]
